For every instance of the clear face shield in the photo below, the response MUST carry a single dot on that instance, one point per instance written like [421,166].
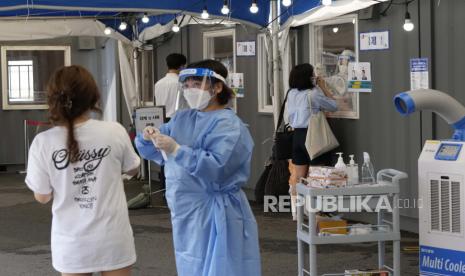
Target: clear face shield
[196,88]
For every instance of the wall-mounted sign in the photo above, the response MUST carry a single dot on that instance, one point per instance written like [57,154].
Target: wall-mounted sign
[419,78]
[360,77]
[149,116]
[245,48]
[236,82]
[374,41]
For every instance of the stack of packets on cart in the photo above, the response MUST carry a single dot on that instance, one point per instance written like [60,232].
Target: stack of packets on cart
[374,272]
[326,177]
[331,225]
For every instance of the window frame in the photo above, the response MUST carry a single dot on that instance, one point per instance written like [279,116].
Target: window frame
[350,18]
[263,90]
[208,34]
[18,67]
[4,68]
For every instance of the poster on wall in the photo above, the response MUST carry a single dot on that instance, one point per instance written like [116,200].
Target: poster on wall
[360,77]
[236,82]
[245,48]
[419,78]
[374,41]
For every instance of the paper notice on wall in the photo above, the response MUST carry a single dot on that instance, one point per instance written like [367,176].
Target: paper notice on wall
[236,82]
[374,41]
[149,116]
[360,77]
[419,78]
[245,48]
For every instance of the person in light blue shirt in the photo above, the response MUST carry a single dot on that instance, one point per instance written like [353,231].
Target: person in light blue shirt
[304,84]
[207,151]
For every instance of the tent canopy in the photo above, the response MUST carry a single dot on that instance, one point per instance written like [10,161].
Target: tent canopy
[239,9]
[161,12]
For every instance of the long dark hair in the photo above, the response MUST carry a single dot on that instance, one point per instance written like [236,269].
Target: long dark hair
[301,77]
[72,91]
[226,93]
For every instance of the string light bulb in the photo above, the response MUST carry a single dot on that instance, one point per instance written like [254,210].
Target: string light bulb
[123,26]
[175,27]
[205,14]
[254,7]
[326,2]
[408,24]
[335,29]
[145,19]
[287,3]
[107,31]
[225,9]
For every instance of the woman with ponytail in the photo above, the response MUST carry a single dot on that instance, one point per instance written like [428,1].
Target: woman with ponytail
[78,163]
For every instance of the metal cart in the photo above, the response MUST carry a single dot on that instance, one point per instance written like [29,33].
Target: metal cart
[387,185]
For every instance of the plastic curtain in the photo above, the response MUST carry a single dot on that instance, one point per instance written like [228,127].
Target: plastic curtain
[128,83]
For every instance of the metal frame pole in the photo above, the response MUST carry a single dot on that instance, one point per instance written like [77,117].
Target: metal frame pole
[150,183]
[26,148]
[312,251]
[396,229]
[381,244]
[300,243]
[275,46]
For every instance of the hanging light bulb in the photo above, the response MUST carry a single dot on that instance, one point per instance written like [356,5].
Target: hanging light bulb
[205,14]
[145,19]
[287,3]
[335,29]
[225,9]
[123,26]
[175,27]
[254,7]
[107,31]
[408,24]
[326,2]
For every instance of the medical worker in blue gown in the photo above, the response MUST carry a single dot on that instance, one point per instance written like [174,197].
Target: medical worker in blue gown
[206,150]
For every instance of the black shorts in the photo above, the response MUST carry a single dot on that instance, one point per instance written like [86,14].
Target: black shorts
[299,152]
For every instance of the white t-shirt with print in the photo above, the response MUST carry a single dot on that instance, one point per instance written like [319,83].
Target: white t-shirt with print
[90,228]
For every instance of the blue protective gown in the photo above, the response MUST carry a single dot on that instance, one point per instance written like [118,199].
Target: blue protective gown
[214,230]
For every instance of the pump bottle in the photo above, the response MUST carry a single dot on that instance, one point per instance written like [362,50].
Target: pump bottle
[368,172]
[340,165]
[352,171]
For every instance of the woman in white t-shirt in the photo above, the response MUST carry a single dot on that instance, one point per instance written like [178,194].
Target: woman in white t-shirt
[79,164]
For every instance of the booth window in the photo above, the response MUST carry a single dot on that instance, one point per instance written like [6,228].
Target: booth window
[265,102]
[334,43]
[20,81]
[219,45]
[26,71]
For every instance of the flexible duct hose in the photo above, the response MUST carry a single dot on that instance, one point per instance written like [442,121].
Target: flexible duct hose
[436,101]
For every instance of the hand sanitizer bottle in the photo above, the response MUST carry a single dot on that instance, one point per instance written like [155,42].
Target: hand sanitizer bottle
[340,163]
[352,171]
[368,172]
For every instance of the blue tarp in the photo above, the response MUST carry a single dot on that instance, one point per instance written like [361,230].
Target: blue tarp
[239,9]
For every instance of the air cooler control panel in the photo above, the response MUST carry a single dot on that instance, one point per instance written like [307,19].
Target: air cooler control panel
[448,152]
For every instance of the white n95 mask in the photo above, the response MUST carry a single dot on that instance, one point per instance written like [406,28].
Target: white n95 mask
[197,98]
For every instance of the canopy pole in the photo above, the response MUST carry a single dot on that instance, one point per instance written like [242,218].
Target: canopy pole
[275,46]
[135,57]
